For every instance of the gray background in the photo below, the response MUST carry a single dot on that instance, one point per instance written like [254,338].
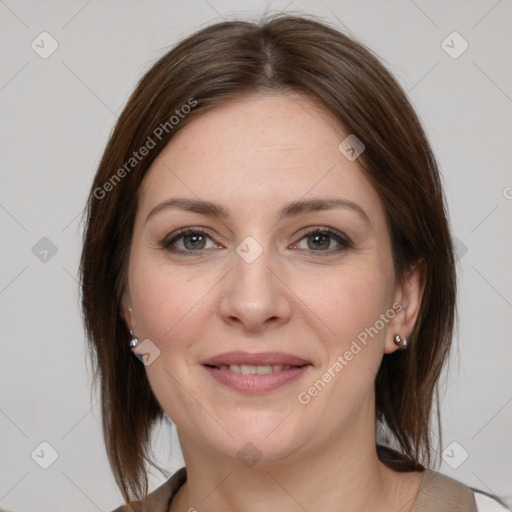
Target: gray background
[56,115]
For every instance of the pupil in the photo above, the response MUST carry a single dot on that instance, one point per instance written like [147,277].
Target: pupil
[318,238]
[195,239]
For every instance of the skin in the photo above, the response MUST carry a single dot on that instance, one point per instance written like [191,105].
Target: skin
[253,155]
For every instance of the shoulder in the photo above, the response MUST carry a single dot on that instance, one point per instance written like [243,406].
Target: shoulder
[160,499]
[441,492]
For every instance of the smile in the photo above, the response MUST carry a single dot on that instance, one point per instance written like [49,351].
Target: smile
[256,379]
[247,369]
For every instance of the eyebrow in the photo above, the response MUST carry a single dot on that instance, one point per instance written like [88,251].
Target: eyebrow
[292,209]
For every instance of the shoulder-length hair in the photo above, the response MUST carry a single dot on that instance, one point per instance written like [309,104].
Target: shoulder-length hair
[280,53]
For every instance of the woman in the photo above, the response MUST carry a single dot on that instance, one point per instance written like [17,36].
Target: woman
[267,233]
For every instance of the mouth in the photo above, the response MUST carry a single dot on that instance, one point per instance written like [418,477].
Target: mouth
[246,369]
[255,359]
[256,373]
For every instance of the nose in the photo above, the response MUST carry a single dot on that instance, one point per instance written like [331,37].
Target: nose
[254,295]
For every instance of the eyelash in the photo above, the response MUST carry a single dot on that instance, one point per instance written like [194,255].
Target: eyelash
[344,241]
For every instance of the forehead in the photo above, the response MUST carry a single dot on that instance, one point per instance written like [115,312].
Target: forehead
[259,151]
[270,127]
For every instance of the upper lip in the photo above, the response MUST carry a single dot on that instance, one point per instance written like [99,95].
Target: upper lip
[255,359]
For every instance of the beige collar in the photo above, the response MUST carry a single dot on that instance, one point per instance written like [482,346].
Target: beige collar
[438,493]
[441,493]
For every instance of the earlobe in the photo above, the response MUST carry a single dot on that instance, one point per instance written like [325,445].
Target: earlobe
[409,294]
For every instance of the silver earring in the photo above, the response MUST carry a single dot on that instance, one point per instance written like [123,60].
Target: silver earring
[134,341]
[401,342]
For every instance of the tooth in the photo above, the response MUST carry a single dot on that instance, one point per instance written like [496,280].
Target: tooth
[262,370]
[247,369]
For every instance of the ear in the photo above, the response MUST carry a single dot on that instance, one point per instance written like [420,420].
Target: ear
[408,293]
[127,311]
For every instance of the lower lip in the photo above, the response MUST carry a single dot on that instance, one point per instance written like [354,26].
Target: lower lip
[254,384]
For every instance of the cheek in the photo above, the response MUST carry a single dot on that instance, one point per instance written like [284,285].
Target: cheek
[347,302]
[170,308]
[351,307]
[166,300]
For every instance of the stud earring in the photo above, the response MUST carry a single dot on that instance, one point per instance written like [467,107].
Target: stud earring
[134,341]
[401,342]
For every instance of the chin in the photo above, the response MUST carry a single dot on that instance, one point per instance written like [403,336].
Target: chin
[273,436]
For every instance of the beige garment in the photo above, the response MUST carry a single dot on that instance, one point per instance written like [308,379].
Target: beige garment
[438,493]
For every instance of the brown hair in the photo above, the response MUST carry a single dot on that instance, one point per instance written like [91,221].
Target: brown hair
[278,54]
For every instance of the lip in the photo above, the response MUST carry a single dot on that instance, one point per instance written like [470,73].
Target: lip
[256,383]
[255,359]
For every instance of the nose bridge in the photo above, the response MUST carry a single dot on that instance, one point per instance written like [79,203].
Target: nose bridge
[253,294]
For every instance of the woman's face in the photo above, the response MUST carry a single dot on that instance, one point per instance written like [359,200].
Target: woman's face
[282,283]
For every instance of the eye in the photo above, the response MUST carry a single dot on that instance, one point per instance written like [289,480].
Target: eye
[321,241]
[188,241]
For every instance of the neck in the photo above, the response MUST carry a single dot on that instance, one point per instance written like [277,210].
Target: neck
[342,469]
